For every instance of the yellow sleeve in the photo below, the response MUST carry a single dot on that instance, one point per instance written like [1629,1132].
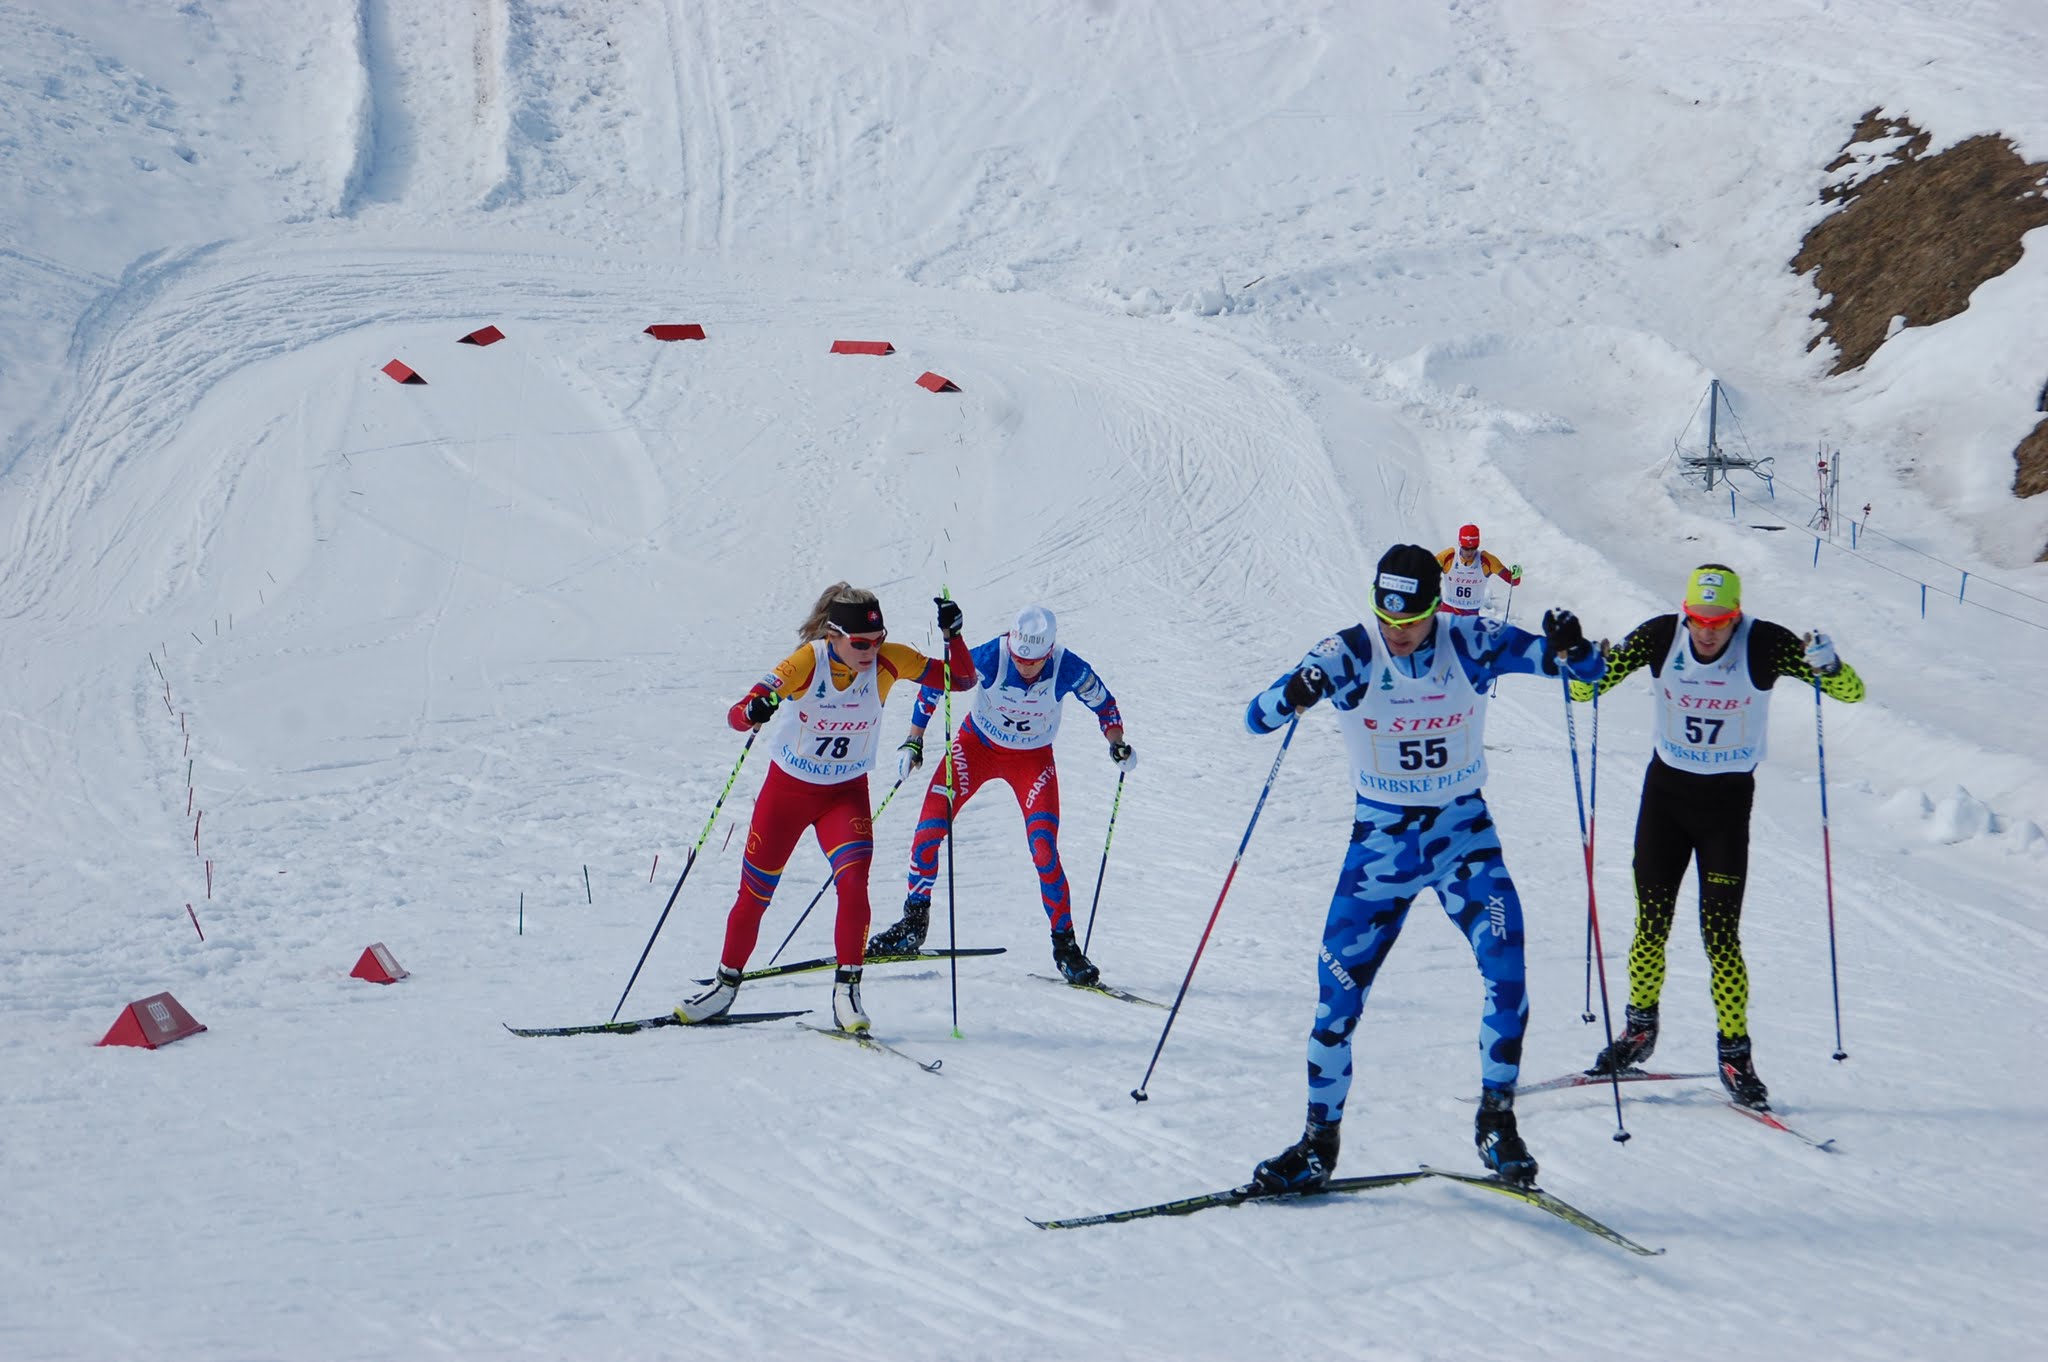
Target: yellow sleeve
[793,673]
[1489,564]
[899,662]
[1443,558]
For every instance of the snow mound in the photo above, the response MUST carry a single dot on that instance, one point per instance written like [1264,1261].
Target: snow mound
[1962,817]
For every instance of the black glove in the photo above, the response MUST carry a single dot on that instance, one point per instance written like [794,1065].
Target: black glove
[1562,632]
[761,709]
[1124,755]
[951,621]
[1306,687]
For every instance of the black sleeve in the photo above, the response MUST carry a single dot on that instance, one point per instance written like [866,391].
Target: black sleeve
[1776,651]
[1647,645]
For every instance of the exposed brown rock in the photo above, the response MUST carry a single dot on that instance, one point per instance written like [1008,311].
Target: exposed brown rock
[2031,478]
[1916,238]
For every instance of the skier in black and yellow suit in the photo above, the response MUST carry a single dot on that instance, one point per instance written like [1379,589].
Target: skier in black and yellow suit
[1711,686]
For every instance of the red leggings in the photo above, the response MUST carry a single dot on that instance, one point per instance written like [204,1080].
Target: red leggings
[846,834]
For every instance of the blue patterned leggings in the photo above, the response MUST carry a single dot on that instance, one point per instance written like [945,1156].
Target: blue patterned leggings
[1395,854]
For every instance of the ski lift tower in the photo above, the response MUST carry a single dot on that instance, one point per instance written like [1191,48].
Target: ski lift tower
[1828,469]
[1716,460]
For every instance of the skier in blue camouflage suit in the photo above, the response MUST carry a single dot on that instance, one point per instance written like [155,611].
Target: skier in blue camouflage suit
[1410,698]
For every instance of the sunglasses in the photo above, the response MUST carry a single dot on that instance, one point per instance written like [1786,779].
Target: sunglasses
[859,644]
[1708,619]
[1407,620]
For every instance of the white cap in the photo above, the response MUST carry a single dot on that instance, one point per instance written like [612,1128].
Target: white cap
[1031,637]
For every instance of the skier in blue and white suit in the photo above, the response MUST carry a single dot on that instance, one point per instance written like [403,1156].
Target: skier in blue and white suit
[1410,697]
[1023,675]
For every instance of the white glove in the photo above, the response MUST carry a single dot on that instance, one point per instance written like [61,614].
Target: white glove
[1124,755]
[1820,654]
[909,757]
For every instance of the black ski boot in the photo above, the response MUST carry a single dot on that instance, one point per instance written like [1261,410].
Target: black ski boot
[1738,1075]
[907,936]
[1303,1166]
[1500,1145]
[1076,967]
[1638,1037]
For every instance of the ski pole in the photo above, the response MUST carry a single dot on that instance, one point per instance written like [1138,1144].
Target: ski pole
[1827,859]
[688,861]
[1571,728]
[952,933]
[1592,832]
[830,876]
[1507,616]
[1114,805]
[1138,1094]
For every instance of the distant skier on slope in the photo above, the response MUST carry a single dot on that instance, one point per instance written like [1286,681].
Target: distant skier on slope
[1712,701]
[1024,676]
[834,686]
[1466,569]
[1410,696]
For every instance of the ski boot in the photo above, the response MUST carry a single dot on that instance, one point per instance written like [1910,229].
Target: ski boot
[907,936]
[1738,1075]
[847,1014]
[713,1002]
[1638,1037]
[1074,966]
[1500,1145]
[1303,1166]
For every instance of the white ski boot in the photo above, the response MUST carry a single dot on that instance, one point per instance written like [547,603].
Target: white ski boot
[713,1002]
[846,1009]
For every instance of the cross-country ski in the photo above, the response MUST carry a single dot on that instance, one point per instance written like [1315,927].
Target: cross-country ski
[624,1028]
[1250,1193]
[1106,990]
[826,962]
[1586,1080]
[874,1043]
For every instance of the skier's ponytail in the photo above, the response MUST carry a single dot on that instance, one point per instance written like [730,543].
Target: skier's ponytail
[839,593]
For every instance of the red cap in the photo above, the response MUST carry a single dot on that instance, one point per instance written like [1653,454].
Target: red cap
[1468,536]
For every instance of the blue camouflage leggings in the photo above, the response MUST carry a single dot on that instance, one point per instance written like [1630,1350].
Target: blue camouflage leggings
[1395,854]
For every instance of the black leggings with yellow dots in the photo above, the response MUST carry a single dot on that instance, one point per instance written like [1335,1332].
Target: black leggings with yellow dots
[1684,816]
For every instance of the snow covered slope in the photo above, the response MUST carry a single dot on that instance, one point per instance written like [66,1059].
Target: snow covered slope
[1234,298]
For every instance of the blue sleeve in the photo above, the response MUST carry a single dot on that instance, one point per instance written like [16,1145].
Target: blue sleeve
[986,659]
[1489,649]
[1346,658]
[1077,678]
